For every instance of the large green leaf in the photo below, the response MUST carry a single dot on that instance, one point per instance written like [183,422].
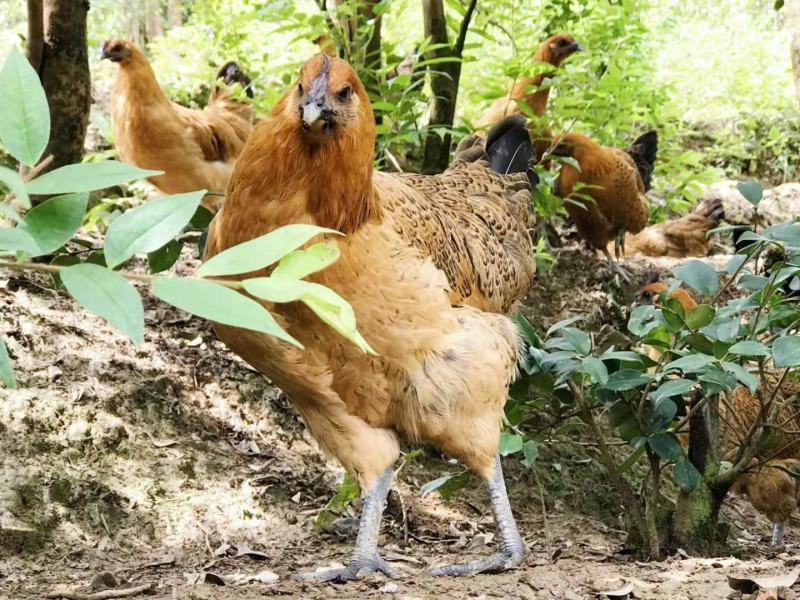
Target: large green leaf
[262,251]
[86,177]
[14,239]
[627,379]
[666,446]
[686,475]
[689,363]
[327,304]
[673,387]
[510,443]
[749,348]
[301,263]
[6,368]
[530,451]
[786,351]
[700,316]
[699,276]
[149,226]
[166,256]
[751,190]
[24,114]
[742,374]
[107,294]
[14,182]
[580,341]
[53,223]
[596,369]
[220,304]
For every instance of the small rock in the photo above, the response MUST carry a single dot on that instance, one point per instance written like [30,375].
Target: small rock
[390,588]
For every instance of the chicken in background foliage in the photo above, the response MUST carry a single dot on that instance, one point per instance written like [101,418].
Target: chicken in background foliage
[429,264]
[196,149]
[615,182]
[529,91]
[681,237]
[768,484]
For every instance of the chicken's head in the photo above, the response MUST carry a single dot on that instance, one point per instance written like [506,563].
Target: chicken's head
[330,101]
[559,47]
[118,51]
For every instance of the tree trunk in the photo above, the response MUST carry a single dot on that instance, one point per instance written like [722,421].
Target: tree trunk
[696,528]
[445,78]
[35,40]
[796,63]
[152,20]
[174,13]
[64,72]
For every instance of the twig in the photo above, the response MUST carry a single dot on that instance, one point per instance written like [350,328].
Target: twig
[544,508]
[25,266]
[458,47]
[34,171]
[104,595]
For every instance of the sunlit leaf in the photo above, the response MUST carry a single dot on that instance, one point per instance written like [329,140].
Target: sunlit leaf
[751,190]
[53,222]
[699,276]
[786,351]
[14,239]
[510,443]
[86,177]
[301,263]
[749,348]
[14,183]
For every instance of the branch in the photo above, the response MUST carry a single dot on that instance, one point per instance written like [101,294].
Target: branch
[53,269]
[35,34]
[458,48]
[104,595]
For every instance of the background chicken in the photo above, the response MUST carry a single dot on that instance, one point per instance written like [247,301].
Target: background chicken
[615,180]
[196,149]
[426,263]
[682,237]
[770,488]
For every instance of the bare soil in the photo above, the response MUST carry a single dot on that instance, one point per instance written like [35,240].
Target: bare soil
[175,464]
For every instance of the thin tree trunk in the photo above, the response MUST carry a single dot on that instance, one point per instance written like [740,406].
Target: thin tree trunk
[35,33]
[64,72]
[445,78]
[796,63]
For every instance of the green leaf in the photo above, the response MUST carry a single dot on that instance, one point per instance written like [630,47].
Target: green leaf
[53,222]
[301,263]
[510,443]
[626,379]
[24,114]
[149,226]
[700,316]
[778,4]
[14,182]
[717,381]
[15,239]
[642,320]
[664,412]
[201,218]
[262,251]
[527,330]
[700,343]
[446,485]
[689,363]
[530,450]
[749,348]
[220,304]
[596,369]
[699,276]
[561,324]
[86,177]
[580,341]
[632,459]
[107,294]
[686,475]
[329,306]
[673,387]
[751,190]
[6,368]
[666,446]
[162,259]
[786,351]
[742,374]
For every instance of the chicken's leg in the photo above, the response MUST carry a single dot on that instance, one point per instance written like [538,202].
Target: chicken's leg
[366,559]
[512,548]
[619,244]
[615,266]
[777,534]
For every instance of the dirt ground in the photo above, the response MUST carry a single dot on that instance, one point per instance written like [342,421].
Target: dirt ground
[176,465]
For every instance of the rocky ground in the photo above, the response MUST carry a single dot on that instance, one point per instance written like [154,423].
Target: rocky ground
[177,468]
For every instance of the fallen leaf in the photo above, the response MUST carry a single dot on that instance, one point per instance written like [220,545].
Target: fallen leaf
[623,593]
[242,550]
[390,588]
[265,576]
[750,585]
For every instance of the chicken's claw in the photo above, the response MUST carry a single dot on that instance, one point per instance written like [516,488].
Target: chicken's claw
[360,567]
[500,561]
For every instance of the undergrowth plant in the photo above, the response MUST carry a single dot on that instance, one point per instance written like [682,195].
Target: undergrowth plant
[46,238]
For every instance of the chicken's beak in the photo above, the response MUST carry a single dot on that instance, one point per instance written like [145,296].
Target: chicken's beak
[576,47]
[105,53]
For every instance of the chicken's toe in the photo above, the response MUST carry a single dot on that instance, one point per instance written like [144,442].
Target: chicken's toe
[359,568]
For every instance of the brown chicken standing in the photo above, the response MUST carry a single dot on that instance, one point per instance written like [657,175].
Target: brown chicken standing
[196,149]
[681,237]
[770,488]
[616,180]
[429,265]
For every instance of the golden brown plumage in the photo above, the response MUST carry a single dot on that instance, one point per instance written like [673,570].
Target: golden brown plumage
[415,269]
[553,51]
[682,237]
[614,183]
[196,149]
[772,491]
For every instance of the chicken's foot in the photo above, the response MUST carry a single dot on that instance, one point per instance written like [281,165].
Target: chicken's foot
[777,534]
[615,267]
[512,548]
[366,559]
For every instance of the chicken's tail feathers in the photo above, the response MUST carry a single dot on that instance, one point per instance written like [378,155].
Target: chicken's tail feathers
[509,148]
[231,73]
[711,209]
[643,151]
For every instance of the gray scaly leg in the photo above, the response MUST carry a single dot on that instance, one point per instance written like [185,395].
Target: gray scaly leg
[512,548]
[366,559]
[777,534]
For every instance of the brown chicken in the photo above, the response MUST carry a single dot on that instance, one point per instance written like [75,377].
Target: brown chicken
[771,490]
[196,149]
[553,51]
[616,180]
[429,264]
[682,237]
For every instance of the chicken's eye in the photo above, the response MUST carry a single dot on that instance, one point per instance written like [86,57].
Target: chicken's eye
[344,94]
[562,42]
